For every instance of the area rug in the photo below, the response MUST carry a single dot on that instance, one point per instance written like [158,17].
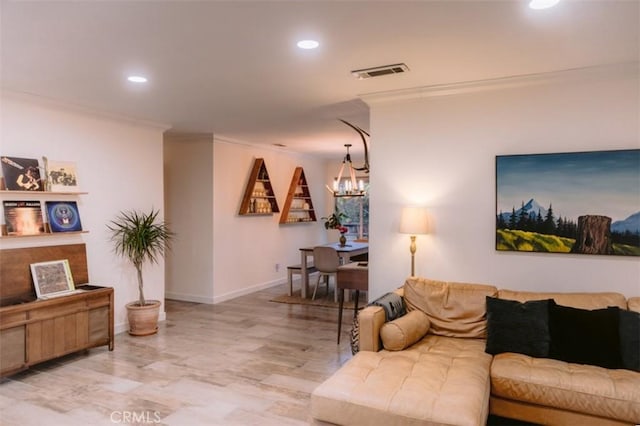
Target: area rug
[320,300]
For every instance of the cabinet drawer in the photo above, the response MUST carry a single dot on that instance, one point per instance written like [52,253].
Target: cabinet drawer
[101,300]
[99,325]
[10,319]
[12,349]
[61,309]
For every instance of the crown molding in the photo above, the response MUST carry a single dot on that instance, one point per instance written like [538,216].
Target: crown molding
[626,69]
[79,109]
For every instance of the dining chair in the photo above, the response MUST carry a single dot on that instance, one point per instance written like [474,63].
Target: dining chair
[326,261]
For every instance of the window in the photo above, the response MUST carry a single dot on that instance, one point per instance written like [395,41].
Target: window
[357,211]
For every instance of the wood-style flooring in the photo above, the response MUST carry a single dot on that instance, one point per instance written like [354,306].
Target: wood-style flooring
[247,361]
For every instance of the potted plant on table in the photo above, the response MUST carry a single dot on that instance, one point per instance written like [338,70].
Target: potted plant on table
[334,221]
[140,238]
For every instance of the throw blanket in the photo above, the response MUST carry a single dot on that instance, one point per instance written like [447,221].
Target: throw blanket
[393,308]
[392,305]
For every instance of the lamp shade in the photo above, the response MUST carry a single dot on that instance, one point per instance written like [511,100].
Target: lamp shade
[414,221]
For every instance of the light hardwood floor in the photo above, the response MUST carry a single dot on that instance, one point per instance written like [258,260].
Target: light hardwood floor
[247,361]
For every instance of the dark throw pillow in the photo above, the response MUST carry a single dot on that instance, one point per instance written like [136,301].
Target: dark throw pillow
[630,339]
[585,337]
[518,327]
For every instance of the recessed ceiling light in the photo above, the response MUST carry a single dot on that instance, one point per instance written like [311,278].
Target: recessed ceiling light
[308,44]
[542,4]
[137,79]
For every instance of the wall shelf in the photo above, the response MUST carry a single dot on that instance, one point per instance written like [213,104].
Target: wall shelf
[40,196]
[298,207]
[259,198]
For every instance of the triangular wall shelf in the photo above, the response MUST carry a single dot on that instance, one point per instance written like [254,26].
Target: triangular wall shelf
[298,208]
[259,198]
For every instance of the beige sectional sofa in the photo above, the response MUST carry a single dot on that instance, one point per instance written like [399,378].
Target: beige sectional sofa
[445,377]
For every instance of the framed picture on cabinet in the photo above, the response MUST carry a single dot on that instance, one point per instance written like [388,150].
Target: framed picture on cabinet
[52,278]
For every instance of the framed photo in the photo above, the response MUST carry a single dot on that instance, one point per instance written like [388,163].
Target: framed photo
[23,217]
[582,202]
[63,216]
[62,176]
[21,174]
[52,278]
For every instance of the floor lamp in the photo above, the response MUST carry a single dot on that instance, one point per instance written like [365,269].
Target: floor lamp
[414,221]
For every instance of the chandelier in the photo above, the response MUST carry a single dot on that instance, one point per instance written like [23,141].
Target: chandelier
[350,186]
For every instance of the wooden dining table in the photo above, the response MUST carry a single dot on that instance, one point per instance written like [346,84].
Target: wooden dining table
[352,248]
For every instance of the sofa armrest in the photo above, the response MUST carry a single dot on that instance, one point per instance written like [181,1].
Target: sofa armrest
[371,319]
[633,303]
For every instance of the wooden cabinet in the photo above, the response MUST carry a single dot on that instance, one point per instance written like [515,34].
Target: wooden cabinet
[298,207]
[34,330]
[259,197]
[41,330]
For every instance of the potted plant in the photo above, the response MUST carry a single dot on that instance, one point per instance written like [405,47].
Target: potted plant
[334,221]
[138,237]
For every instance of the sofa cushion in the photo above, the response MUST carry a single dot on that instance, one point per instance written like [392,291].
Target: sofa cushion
[588,389]
[585,337]
[630,339]
[403,332]
[438,380]
[454,309]
[518,327]
[575,300]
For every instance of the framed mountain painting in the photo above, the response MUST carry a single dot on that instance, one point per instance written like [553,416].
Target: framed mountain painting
[579,202]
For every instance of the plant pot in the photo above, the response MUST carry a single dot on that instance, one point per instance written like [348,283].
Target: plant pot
[143,320]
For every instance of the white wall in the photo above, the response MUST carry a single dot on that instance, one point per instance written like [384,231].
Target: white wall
[439,151]
[247,248]
[119,164]
[188,171]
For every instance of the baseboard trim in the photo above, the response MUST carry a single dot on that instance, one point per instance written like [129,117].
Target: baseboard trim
[248,290]
[184,297]
[223,297]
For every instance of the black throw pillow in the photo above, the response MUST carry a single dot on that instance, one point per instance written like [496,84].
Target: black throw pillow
[585,337]
[518,327]
[630,339]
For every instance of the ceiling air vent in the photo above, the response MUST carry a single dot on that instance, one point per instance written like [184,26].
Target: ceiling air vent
[378,71]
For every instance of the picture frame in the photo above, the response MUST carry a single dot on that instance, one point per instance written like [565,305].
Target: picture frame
[63,216]
[62,176]
[575,202]
[23,217]
[21,174]
[52,278]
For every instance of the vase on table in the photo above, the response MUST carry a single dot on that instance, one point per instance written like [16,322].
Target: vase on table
[342,240]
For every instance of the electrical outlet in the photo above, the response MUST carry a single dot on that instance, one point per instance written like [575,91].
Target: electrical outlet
[277,267]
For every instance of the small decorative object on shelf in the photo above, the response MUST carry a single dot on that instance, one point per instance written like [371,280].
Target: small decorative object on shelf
[21,174]
[298,207]
[259,198]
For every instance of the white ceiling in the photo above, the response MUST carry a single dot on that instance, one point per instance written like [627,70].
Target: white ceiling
[232,67]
